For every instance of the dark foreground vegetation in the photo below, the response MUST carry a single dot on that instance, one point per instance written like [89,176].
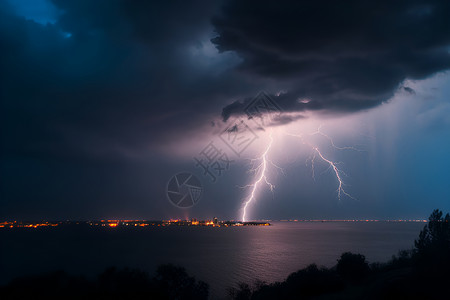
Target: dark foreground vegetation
[420,273]
[170,282]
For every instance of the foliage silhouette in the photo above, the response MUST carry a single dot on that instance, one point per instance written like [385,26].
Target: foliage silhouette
[352,266]
[170,282]
[434,239]
[304,283]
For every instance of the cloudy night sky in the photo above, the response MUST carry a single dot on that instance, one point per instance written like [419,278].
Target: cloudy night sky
[102,102]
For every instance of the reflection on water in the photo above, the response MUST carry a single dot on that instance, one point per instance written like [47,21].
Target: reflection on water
[220,256]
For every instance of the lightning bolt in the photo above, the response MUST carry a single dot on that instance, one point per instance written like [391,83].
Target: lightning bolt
[320,132]
[262,178]
[336,172]
[331,164]
[261,169]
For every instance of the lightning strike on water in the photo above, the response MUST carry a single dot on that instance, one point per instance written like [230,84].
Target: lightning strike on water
[262,170]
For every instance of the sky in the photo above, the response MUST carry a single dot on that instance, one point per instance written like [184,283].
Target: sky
[102,102]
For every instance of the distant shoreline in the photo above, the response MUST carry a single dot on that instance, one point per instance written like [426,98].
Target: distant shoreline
[163,223]
[130,223]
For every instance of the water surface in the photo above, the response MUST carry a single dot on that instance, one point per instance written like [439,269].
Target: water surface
[220,256]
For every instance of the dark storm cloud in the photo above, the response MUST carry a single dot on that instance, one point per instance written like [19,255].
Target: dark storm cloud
[89,101]
[106,75]
[343,56]
[103,88]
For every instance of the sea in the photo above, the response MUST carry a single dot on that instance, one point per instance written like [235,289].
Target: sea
[220,256]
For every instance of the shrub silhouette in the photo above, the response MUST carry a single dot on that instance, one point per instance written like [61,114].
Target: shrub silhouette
[124,283]
[312,281]
[243,292]
[174,283]
[432,248]
[352,266]
[170,282]
[308,282]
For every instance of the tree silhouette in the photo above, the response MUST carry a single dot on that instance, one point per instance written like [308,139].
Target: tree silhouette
[243,292]
[352,266]
[175,283]
[436,234]
[432,248]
